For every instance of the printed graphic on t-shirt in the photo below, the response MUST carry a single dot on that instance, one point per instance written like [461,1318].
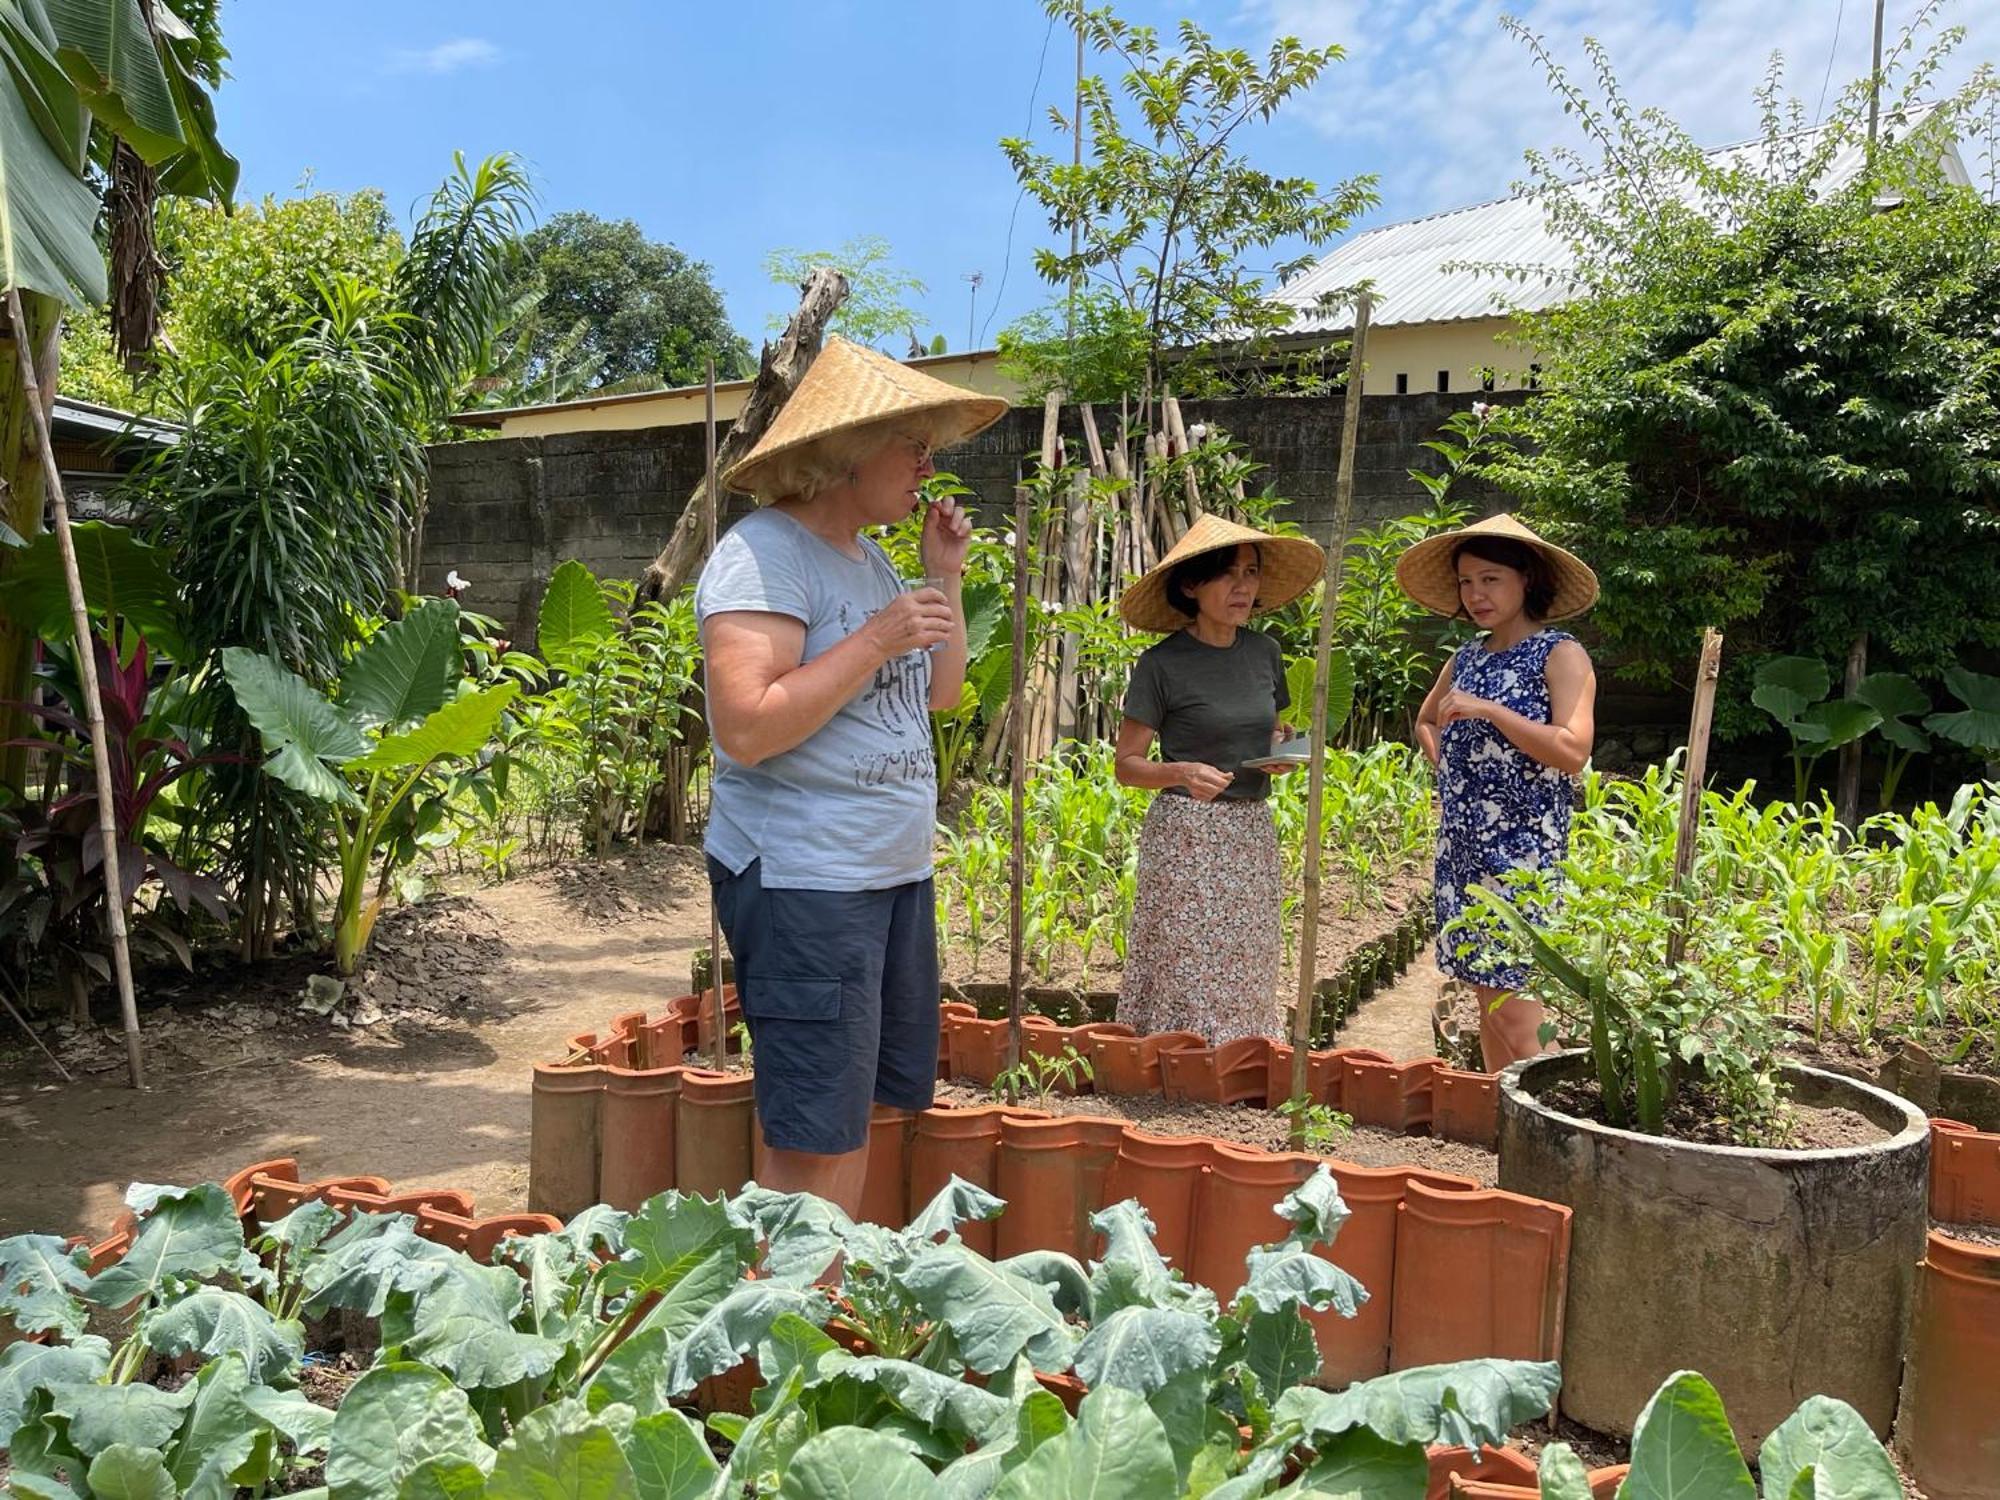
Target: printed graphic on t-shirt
[897,701]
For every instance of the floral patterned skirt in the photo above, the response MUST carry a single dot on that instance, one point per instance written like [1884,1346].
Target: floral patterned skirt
[1203,951]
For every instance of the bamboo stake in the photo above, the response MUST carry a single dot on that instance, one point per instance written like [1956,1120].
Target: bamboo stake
[1336,555]
[721,1010]
[30,1032]
[93,704]
[1017,784]
[1693,773]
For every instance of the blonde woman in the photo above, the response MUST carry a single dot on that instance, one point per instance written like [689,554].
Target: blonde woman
[1204,947]
[822,671]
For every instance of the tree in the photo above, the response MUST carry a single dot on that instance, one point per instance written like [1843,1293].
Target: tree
[874,312]
[1167,212]
[624,310]
[1774,405]
[234,279]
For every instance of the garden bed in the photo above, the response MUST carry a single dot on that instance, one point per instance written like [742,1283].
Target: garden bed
[1250,1125]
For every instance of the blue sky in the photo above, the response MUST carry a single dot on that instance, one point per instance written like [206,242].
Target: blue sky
[733,129]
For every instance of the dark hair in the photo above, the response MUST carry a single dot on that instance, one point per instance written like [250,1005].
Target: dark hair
[1191,573]
[1538,583]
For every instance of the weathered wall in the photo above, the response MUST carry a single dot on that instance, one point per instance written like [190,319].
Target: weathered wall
[505,512]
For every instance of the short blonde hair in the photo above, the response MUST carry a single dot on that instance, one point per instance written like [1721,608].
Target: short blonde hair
[801,473]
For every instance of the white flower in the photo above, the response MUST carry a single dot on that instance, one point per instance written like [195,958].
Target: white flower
[1481,410]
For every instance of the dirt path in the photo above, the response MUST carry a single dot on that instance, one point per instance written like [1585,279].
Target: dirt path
[1398,1020]
[421,1103]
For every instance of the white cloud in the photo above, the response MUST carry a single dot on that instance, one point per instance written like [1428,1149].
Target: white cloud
[1443,102]
[447,57]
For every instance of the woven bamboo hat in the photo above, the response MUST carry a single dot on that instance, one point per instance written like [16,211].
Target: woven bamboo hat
[848,387]
[1291,565]
[1428,576]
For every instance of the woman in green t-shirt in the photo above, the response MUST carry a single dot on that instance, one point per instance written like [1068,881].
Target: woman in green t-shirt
[1203,950]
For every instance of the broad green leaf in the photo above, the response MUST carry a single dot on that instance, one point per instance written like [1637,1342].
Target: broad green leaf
[851,1463]
[361,1271]
[802,1234]
[392,1419]
[939,1401]
[1562,1474]
[1142,1348]
[185,1239]
[1288,1275]
[26,1368]
[561,1452]
[1470,1403]
[307,734]
[213,1320]
[993,1316]
[733,1328]
[553,1269]
[109,53]
[1977,725]
[143,1416]
[670,1459]
[1280,1350]
[218,1433]
[637,1371]
[1358,1465]
[302,1230]
[1132,1272]
[40,1487]
[293,1415]
[47,211]
[203,169]
[123,1472]
[1682,1448]
[463,1323]
[1839,722]
[39,1280]
[1340,686]
[461,728]
[1828,1438]
[406,670]
[1785,686]
[986,607]
[1117,1450]
[671,1234]
[573,614]
[597,1230]
[121,575]
[1057,1271]
[443,1479]
[957,1202]
[1893,695]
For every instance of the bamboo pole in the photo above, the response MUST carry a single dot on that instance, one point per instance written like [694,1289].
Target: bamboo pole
[1694,772]
[93,704]
[721,1010]
[1017,785]
[1336,555]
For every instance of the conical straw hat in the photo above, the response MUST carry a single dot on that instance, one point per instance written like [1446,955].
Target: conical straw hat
[1428,576]
[1290,565]
[849,387]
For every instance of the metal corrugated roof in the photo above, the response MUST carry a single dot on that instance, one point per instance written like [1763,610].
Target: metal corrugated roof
[1407,263]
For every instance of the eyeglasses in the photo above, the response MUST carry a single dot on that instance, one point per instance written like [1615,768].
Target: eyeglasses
[919,450]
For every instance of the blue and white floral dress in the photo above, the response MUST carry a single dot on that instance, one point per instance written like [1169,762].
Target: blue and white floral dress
[1500,809]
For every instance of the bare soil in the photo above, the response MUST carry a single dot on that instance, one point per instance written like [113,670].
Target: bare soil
[432,1094]
[1972,1234]
[1252,1125]
[1697,1116]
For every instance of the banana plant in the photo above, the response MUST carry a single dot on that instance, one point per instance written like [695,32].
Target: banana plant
[400,710]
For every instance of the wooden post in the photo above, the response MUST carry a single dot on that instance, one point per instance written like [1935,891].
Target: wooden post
[721,1010]
[1694,772]
[1017,784]
[1329,606]
[93,704]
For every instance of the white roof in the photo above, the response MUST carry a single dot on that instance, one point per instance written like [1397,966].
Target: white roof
[1406,263]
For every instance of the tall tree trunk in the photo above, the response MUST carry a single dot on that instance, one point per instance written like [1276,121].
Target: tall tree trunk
[778,374]
[21,507]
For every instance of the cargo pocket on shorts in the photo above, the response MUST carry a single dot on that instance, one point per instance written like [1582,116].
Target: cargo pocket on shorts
[773,999]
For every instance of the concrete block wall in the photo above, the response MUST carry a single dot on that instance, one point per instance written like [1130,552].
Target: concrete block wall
[506,511]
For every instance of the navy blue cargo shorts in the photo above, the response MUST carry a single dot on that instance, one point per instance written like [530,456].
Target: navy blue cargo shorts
[840,991]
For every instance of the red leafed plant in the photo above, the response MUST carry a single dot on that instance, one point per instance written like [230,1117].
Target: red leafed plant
[54,898]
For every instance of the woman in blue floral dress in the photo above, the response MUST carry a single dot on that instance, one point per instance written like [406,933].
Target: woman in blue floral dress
[1508,725]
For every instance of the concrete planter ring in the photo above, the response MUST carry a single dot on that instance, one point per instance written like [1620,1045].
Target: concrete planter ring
[1782,1274]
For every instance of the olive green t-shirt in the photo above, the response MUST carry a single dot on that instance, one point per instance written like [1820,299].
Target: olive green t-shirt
[1213,704]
